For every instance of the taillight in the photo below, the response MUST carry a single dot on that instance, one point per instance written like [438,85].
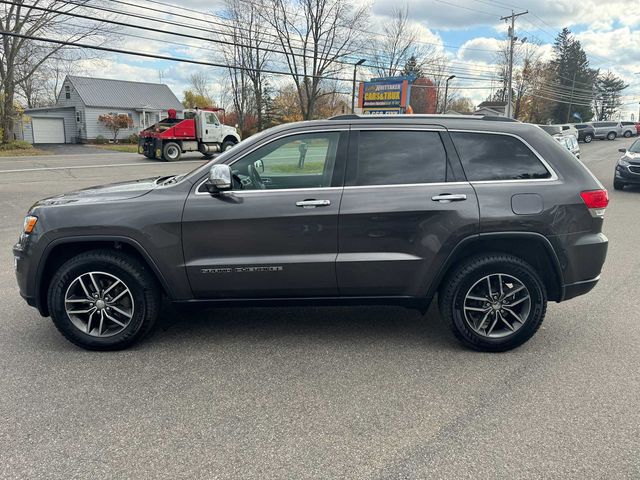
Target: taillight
[596,201]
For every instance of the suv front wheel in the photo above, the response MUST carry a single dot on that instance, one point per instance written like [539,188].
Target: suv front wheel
[493,302]
[103,300]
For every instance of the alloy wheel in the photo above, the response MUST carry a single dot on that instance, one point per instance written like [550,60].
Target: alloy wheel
[99,304]
[497,305]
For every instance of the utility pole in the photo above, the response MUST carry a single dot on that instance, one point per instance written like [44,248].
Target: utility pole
[512,41]
[573,86]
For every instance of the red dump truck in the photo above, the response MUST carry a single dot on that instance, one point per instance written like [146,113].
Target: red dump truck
[199,131]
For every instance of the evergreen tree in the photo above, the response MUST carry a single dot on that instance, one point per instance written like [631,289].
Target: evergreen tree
[570,72]
[609,87]
[412,68]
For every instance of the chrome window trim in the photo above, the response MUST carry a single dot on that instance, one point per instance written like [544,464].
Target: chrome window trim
[554,176]
[406,185]
[283,135]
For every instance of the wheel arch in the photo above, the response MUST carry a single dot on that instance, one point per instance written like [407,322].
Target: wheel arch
[531,247]
[231,138]
[61,250]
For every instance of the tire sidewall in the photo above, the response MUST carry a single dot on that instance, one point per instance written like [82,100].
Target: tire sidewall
[73,269]
[611,136]
[227,145]
[526,331]
[166,149]
[588,138]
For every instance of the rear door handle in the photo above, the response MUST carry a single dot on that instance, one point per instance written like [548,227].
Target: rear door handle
[313,203]
[449,197]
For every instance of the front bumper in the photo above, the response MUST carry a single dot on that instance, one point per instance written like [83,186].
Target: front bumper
[21,266]
[625,175]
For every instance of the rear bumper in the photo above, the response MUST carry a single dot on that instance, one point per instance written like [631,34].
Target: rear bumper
[576,289]
[581,256]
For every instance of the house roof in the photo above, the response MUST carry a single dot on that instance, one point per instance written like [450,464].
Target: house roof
[103,92]
[492,104]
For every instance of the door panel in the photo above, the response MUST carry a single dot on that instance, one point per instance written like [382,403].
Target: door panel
[393,239]
[261,244]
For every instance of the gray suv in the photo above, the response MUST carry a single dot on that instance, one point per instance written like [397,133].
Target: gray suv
[495,218]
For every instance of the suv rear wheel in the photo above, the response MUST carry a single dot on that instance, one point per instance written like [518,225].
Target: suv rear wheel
[611,136]
[587,138]
[103,300]
[493,302]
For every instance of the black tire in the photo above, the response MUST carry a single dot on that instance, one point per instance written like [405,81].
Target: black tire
[468,274]
[588,138]
[207,156]
[145,294]
[227,144]
[627,134]
[611,136]
[618,185]
[171,152]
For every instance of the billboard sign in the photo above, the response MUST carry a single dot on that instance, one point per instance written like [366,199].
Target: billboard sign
[385,95]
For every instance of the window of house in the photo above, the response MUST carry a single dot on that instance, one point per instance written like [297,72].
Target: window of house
[67,91]
[487,156]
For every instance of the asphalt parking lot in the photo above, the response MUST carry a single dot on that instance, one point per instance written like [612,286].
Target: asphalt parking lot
[322,393]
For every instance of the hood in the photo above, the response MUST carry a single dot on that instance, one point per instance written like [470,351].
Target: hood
[113,191]
[632,157]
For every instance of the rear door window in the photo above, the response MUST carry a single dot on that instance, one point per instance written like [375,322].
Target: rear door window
[489,157]
[391,157]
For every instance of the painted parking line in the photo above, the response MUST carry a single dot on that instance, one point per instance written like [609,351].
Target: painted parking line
[77,167]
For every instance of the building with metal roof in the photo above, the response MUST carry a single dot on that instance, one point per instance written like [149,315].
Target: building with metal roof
[82,100]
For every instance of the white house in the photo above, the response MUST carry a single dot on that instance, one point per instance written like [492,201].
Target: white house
[74,117]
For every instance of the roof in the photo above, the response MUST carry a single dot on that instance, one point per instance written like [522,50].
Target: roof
[41,109]
[103,92]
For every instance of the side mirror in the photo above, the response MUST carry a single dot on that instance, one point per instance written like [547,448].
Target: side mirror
[219,179]
[622,150]
[259,165]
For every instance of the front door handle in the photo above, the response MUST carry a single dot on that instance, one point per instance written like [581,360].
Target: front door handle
[449,197]
[313,203]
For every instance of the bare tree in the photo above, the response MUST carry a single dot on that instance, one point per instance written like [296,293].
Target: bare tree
[315,36]
[399,44]
[250,34]
[199,84]
[21,58]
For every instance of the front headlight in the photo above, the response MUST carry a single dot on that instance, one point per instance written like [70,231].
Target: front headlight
[623,163]
[29,224]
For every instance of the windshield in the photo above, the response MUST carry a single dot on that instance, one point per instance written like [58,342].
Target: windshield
[635,147]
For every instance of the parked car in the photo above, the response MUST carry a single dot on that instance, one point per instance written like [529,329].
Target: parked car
[585,132]
[348,210]
[608,130]
[570,143]
[551,129]
[629,129]
[628,167]
[569,129]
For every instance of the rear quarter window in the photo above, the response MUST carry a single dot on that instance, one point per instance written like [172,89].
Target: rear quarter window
[489,157]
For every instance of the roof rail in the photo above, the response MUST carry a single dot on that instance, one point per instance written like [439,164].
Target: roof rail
[349,116]
[491,118]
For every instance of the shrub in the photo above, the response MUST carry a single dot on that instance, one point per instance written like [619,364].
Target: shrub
[100,140]
[133,138]
[16,145]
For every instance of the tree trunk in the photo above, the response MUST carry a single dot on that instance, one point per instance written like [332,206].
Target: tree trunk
[8,109]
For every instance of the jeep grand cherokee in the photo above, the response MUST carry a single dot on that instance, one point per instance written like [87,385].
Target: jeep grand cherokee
[495,217]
